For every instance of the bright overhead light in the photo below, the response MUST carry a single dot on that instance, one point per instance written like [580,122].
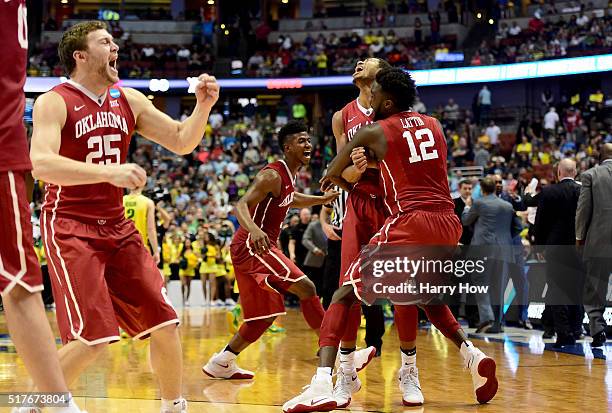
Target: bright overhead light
[491,21]
[211,2]
[222,26]
[285,1]
[479,15]
[226,32]
[64,2]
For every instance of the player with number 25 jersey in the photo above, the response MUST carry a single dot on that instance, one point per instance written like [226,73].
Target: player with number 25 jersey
[97,130]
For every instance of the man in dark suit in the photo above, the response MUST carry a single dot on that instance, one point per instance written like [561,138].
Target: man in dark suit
[516,269]
[494,220]
[465,198]
[555,228]
[594,232]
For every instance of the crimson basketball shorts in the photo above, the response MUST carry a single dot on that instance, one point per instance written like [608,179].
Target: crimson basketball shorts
[412,228]
[18,262]
[103,278]
[262,280]
[365,215]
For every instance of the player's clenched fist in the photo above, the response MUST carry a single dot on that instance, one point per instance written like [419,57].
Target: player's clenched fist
[207,90]
[128,175]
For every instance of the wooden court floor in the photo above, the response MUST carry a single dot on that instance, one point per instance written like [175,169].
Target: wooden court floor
[121,380]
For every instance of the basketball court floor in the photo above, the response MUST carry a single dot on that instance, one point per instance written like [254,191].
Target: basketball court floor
[532,377]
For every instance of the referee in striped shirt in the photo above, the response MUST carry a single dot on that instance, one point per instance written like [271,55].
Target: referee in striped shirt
[331,217]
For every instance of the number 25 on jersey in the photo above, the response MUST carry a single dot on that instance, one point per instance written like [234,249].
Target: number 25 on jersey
[103,153]
[426,139]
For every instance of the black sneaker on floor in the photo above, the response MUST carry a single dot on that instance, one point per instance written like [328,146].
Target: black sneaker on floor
[599,339]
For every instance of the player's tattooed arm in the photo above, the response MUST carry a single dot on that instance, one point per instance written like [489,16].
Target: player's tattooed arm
[49,166]
[370,137]
[179,137]
[305,201]
[266,182]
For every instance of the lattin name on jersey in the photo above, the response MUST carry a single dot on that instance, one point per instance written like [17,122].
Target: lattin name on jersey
[103,120]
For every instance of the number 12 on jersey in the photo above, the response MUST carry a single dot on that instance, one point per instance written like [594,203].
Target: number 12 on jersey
[426,139]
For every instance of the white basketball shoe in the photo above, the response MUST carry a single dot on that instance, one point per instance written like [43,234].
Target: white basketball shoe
[410,387]
[223,366]
[363,357]
[483,372]
[317,397]
[347,383]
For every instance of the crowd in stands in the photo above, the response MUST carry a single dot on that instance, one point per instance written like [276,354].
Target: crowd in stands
[583,33]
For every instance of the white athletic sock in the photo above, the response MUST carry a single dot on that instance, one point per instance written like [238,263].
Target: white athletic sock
[408,361]
[465,348]
[347,361]
[175,406]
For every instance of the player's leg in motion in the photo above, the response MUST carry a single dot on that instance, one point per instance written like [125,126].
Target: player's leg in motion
[481,367]
[319,396]
[406,321]
[20,286]
[222,365]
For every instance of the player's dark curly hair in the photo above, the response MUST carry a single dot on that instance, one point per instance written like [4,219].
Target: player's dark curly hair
[399,85]
[292,127]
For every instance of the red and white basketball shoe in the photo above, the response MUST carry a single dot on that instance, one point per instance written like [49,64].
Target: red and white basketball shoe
[410,387]
[483,372]
[347,384]
[318,397]
[223,366]
[363,357]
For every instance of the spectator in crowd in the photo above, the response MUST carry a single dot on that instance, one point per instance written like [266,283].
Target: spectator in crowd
[493,131]
[594,232]
[555,228]
[551,119]
[484,104]
[316,243]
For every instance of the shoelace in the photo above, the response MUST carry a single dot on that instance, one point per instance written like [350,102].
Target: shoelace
[411,377]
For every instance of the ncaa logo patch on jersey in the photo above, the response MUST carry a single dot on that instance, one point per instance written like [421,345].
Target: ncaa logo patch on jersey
[115,93]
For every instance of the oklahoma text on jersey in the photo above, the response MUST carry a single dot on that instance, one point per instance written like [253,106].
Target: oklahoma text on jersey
[103,120]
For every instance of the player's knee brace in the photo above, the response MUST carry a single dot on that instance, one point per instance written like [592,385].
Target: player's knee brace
[252,330]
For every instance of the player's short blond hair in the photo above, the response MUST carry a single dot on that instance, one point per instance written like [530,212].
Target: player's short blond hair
[75,38]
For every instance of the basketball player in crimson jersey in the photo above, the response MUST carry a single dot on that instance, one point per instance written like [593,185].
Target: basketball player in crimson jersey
[262,271]
[103,276]
[20,276]
[365,215]
[416,191]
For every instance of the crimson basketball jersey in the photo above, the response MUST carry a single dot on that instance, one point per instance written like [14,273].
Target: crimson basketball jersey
[354,116]
[270,213]
[414,167]
[14,153]
[97,131]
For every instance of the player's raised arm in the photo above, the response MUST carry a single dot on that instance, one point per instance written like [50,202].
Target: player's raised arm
[371,137]
[49,117]
[305,201]
[179,137]
[265,182]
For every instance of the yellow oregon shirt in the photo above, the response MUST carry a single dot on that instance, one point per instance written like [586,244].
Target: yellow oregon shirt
[136,210]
